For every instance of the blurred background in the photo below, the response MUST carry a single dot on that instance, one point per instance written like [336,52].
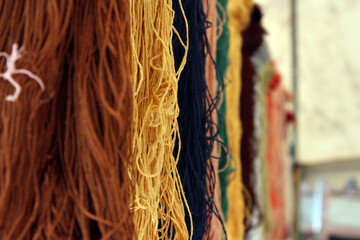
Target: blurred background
[315,44]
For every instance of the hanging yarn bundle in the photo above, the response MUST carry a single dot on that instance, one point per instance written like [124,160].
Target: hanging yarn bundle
[29,164]
[98,120]
[198,131]
[222,62]
[264,72]
[277,154]
[64,162]
[215,89]
[252,39]
[239,16]
[158,203]
[114,123]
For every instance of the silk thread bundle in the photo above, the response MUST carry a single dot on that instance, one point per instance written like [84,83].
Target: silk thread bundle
[222,62]
[276,155]
[239,16]
[252,39]
[99,117]
[258,60]
[275,166]
[59,180]
[264,72]
[197,129]
[159,200]
[29,165]
[217,223]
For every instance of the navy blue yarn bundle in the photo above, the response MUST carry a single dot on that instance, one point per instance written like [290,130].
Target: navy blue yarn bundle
[196,107]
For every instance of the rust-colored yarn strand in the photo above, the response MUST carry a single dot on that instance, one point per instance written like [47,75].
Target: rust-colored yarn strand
[101,102]
[64,158]
[28,163]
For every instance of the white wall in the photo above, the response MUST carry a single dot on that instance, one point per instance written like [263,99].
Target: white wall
[329,73]
[329,80]
[277,22]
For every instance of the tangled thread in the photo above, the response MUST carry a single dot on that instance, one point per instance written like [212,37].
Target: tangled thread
[11,70]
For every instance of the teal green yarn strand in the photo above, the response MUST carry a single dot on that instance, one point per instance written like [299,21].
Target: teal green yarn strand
[222,63]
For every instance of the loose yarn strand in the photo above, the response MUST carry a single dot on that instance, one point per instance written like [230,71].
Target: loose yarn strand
[222,62]
[29,179]
[239,17]
[198,130]
[101,100]
[215,87]
[158,203]
[64,158]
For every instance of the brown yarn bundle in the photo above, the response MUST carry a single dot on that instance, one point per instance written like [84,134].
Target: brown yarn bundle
[101,101]
[64,158]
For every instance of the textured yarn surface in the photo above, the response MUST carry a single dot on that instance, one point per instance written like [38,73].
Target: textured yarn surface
[222,62]
[277,154]
[197,129]
[159,200]
[239,16]
[252,39]
[217,224]
[64,160]
[99,118]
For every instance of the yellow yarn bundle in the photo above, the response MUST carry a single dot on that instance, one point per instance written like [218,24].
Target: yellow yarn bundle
[158,203]
[239,17]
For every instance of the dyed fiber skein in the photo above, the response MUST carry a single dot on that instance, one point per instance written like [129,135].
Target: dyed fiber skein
[159,205]
[217,226]
[252,39]
[196,125]
[263,72]
[222,62]
[239,17]
[29,163]
[67,178]
[277,154]
[98,118]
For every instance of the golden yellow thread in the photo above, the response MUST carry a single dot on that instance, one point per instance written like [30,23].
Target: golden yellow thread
[239,17]
[158,202]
